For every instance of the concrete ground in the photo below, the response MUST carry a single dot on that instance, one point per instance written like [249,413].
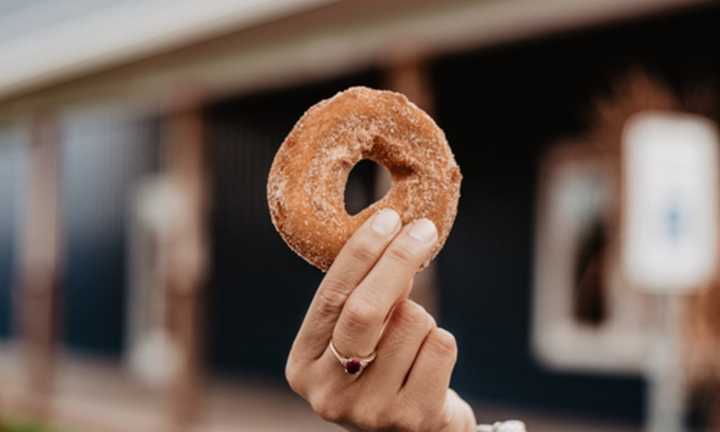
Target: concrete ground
[91,396]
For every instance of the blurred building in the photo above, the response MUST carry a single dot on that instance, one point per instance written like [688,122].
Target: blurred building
[141,281]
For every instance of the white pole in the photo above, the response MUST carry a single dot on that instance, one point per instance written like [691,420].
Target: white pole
[666,378]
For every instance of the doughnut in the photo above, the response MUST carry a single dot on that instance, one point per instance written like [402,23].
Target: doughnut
[307,179]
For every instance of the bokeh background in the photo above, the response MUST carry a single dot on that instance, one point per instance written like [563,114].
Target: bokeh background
[142,284]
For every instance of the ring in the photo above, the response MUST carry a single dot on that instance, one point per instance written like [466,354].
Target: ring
[352,365]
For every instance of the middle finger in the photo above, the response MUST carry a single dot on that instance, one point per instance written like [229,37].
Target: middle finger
[406,330]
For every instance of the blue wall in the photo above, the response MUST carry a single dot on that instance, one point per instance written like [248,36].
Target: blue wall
[104,157]
[11,171]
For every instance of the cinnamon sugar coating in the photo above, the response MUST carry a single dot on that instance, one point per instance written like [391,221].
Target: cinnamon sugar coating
[307,179]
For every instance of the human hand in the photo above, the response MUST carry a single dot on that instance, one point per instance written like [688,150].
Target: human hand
[361,307]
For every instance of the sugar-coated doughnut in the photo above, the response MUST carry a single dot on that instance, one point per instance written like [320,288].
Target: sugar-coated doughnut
[306,185]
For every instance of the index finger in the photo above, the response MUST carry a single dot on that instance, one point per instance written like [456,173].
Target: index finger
[352,264]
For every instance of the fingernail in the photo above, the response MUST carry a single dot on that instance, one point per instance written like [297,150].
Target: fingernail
[423,230]
[385,221]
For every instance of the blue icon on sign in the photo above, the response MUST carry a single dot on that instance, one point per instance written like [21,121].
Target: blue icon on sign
[673,223]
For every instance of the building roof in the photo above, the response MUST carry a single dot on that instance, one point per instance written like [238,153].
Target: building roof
[70,51]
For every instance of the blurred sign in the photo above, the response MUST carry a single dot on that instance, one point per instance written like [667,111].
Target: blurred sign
[670,201]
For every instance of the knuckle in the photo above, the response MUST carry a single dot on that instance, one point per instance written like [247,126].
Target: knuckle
[293,377]
[405,423]
[401,254]
[331,296]
[403,418]
[361,315]
[376,414]
[436,416]
[410,421]
[328,409]
[443,342]
[424,425]
[377,418]
[439,421]
[362,250]
[372,422]
[418,418]
[412,314]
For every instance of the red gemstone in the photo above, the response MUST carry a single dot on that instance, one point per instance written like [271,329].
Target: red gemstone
[352,366]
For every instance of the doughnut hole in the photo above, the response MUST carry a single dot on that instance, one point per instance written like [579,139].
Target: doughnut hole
[367,183]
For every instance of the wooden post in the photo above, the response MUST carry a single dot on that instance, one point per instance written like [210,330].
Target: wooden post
[39,263]
[407,75]
[714,410]
[187,256]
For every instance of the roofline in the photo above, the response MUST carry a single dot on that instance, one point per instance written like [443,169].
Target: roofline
[315,44]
